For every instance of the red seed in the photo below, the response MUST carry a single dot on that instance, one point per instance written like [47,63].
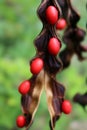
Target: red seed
[51,15]
[21,121]
[61,24]
[36,65]
[54,46]
[66,107]
[24,87]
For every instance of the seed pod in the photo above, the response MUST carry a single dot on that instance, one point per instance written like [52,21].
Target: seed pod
[73,35]
[44,67]
[44,72]
[31,100]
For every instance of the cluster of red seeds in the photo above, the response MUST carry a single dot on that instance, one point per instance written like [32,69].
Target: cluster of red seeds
[37,64]
[52,17]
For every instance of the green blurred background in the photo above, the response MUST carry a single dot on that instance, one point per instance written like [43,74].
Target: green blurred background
[19,25]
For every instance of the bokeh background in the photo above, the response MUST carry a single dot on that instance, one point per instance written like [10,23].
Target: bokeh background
[19,25]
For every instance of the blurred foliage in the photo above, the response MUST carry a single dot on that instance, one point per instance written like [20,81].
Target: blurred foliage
[19,25]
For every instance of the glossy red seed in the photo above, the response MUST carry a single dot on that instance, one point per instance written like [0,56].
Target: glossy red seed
[51,15]
[36,65]
[24,87]
[66,107]
[61,24]
[54,46]
[21,121]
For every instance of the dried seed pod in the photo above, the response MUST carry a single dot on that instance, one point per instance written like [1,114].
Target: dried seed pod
[81,99]
[31,100]
[73,36]
[55,96]
[46,76]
